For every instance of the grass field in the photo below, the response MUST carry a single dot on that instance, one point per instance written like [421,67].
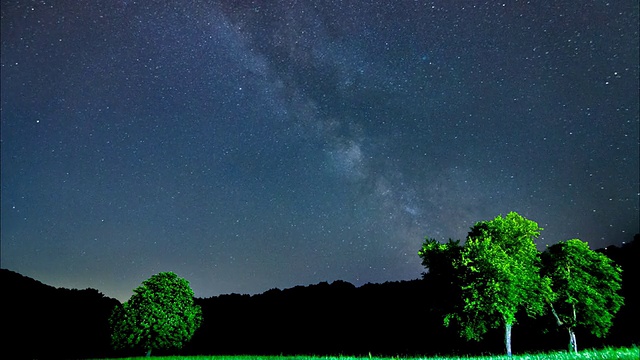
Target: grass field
[632,353]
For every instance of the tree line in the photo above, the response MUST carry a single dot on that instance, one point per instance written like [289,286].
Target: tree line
[394,318]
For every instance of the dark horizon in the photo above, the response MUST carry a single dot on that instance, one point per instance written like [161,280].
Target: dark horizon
[624,245]
[402,318]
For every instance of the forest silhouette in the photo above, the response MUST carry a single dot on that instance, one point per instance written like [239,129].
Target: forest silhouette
[393,318]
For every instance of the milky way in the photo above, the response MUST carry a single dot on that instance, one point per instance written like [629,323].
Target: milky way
[247,146]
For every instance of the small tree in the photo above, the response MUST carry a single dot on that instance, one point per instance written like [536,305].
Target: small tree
[161,314]
[499,275]
[585,284]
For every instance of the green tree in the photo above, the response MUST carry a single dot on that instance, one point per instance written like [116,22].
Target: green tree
[161,314]
[499,275]
[585,284]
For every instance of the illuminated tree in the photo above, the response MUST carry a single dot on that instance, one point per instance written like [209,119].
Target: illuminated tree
[161,314]
[499,275]
[585,284]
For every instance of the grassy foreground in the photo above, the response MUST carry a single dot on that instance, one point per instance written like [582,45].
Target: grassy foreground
[632,353]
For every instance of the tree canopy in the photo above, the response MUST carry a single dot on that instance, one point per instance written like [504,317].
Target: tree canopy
[438,257]
[585,284]
[497,271]
[161,314]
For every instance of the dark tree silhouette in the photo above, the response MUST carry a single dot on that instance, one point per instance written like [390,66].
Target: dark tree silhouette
[40,321]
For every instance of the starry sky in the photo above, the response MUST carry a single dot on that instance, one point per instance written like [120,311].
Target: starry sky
[252,145]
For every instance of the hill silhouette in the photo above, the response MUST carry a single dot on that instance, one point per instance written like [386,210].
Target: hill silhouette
[393,318]
[338,318]
[42,322]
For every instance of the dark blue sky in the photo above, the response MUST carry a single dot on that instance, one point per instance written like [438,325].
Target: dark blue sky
[251,145]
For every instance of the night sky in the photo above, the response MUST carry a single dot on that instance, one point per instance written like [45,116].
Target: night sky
[253,145]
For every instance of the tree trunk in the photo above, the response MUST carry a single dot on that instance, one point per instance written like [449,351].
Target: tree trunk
[507,339]
[555,314]
[573,345]
[148,353]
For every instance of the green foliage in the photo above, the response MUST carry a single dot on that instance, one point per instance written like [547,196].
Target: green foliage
[499,275]
[161,314]
[586,284]
[497,272]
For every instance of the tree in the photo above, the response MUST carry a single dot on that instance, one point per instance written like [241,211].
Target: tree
[585,284]
[161,314]
[439,259]
[499,275]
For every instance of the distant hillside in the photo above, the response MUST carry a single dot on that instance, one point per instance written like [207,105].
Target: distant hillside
[336,318]
[42,322]
[625,326]
[394,318]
